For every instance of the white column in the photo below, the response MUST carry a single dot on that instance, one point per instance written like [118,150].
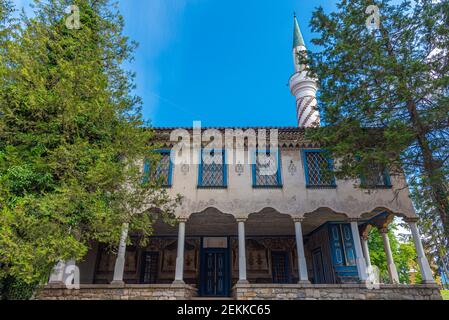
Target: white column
[57,275]
[365,248]
[302,264]
[426,272]
[360,260]
[392,271]
[119,268]
[242,251]
[179,274]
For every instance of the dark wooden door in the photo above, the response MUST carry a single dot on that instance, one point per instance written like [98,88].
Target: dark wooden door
[318,269]
[216,273]
[150,264]
[280,269]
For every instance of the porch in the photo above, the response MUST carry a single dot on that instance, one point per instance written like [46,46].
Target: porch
[261,256]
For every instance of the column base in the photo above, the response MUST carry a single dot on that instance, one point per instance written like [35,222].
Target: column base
[118,283]
[179,282]
[56,284]
[365,282]
[243,282]
[304,282]
[428,282]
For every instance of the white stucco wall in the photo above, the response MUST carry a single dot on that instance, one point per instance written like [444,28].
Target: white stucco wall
[241,199]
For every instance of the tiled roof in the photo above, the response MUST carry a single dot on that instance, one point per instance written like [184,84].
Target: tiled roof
[289,137]
[280,128]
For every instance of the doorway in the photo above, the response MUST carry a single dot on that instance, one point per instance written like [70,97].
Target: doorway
[280,269]
[318,269]
[215,272]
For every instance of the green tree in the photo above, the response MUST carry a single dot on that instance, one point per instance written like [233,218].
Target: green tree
[394,78]
[404,256]
[72,135]
[435,243]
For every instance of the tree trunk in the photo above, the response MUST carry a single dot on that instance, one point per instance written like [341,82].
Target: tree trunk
[432,170]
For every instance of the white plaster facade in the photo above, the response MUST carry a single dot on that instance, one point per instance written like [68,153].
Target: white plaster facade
[240,198]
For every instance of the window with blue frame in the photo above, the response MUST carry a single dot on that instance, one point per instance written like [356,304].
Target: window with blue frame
[318,169]
[376,176]
[159,171]
[212,169]
[267,169]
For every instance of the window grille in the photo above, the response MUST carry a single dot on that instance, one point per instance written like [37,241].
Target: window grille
[267,170]
[161,171]
[212,169]
[376,176]
[318,169]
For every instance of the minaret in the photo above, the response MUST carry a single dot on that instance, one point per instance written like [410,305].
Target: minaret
[302,86]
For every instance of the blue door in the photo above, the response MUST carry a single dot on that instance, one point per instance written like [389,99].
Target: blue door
[215,273]
[343,252]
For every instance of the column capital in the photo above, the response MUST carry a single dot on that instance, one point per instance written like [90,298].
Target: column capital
[354,220]
[298,219]
[411,219]
[383,230]
[182,219]
[364,237]
[241,219]
[364,231]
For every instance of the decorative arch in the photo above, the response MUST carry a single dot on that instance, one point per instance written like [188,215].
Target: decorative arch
[211,222]
[313,220]
[270,222]
[379,217]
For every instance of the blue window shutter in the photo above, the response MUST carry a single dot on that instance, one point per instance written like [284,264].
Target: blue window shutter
[146,171]
[305,165]
[387,179]
[225,172]
[337,250]
[279,175]
[200,169]
[170,170]
[253,167]
[348,241]
[362,179]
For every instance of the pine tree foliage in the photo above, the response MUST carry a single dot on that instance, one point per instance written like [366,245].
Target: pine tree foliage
[72,139]
[384,93]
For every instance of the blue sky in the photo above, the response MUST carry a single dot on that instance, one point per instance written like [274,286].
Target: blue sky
[225,63]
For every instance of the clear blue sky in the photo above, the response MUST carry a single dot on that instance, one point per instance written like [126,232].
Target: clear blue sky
[223,62]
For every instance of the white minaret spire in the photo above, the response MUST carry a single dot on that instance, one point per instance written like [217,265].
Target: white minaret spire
[302,86]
